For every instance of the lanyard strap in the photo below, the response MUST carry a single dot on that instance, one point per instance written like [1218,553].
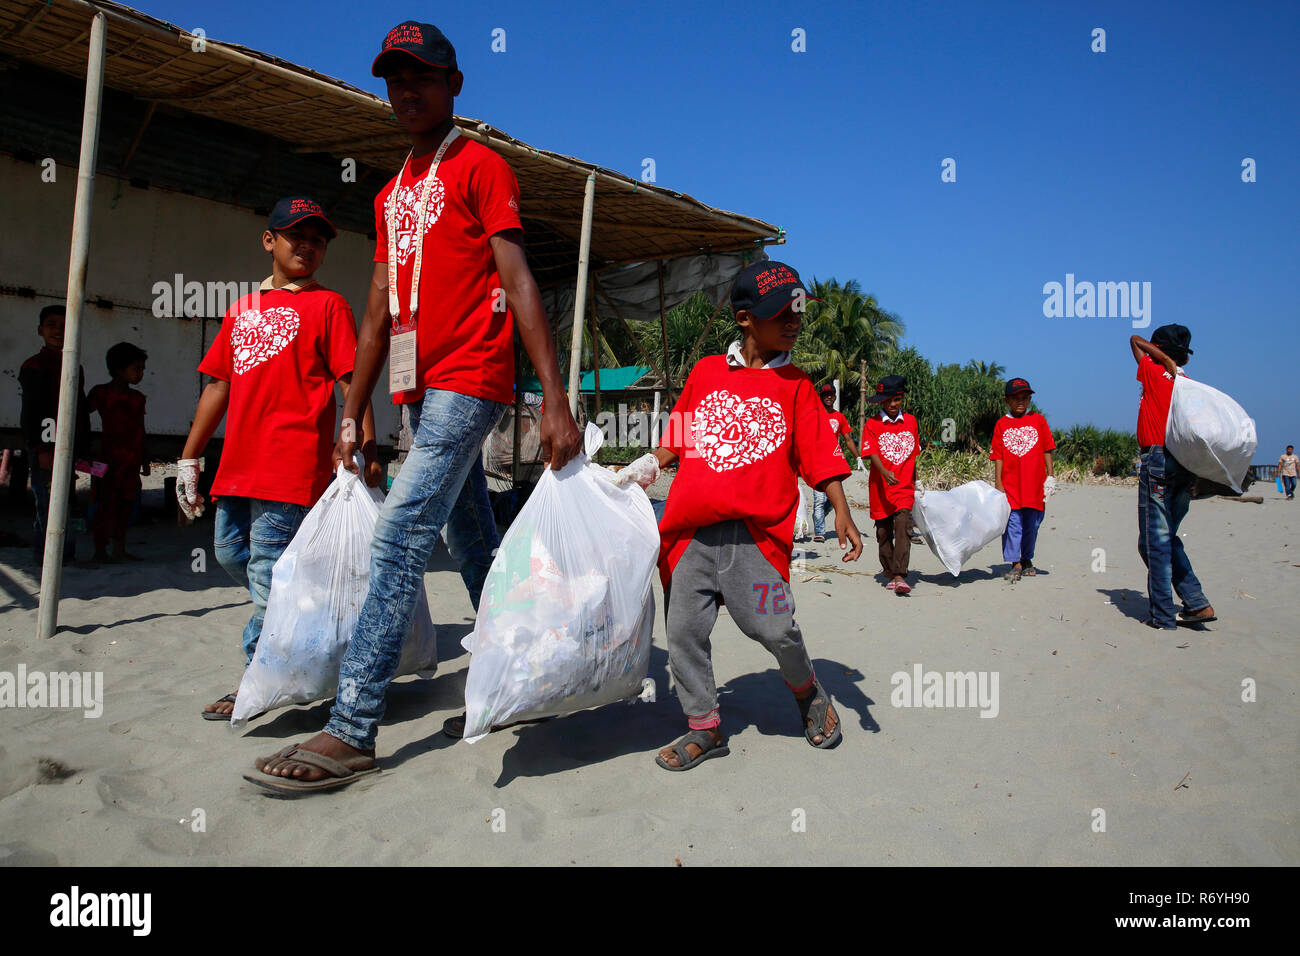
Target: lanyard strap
[421,217]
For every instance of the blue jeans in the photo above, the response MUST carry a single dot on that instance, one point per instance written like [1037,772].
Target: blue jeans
[1164,494]
[433,486]
[1288,485]
[1021,534]
[819,512]
[41,489]
[250,536]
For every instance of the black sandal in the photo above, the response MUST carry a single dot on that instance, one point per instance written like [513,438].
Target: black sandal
[213,715]
[816,707]
[702,739]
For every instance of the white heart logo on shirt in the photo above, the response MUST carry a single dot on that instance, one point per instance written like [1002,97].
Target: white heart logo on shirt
[407,199]
[730,431]
[261,335]
[896,446]
[1020,440]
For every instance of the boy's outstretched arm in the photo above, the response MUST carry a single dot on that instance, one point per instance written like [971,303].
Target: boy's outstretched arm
[845,529]
[207,416]
[372,350]
[560,436]
[997,474]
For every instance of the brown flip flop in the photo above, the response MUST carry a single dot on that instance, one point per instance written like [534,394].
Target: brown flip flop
[341,772]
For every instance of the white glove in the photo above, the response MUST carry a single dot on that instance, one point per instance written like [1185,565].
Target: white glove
[1049,486]
[644,471]
[187,487]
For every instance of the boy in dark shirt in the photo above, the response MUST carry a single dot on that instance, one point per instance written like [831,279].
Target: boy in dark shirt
[39,378]
[121,415]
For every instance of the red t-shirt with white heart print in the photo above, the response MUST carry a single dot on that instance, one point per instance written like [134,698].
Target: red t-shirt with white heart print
[743,437]
[839,424]
[897,444]
[1021,444]
[281,351]
[465,333]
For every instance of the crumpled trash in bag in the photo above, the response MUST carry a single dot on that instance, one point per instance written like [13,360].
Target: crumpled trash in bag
[1210,434]
[958,523]
[567,612]
[317,588]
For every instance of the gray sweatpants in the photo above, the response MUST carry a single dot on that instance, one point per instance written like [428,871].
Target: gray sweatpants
[723,564]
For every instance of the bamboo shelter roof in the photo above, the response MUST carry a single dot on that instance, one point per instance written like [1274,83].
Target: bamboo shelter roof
[154,63]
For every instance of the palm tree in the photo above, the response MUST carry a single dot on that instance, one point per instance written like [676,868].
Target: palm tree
[843,330]
[989,369]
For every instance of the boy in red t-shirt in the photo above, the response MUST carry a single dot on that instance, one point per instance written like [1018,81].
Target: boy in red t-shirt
[121,414]
[843,434]
[893,436]
[450,287]
[1022,455]
[747,425]
[275,362]
[1164,485]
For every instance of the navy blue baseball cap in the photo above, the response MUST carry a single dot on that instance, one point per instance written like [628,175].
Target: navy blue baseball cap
[1173,336]
[766,288]
[888,387]
[423,41]
[292,210]
[1017,385]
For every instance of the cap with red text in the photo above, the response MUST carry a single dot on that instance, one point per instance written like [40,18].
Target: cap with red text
[766,288]
[292,210]
[423,41]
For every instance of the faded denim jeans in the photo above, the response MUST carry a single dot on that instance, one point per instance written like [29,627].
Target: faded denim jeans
[250,536]
[441,483]
[1164,494]
[820,502]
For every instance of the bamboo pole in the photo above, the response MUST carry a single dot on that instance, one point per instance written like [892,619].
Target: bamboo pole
[595,350]
[69,385]
[663,327]
[580,294]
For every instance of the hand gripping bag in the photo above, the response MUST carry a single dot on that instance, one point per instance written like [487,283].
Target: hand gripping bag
[317,588]
[1209,434]
[567,612]
[958,523]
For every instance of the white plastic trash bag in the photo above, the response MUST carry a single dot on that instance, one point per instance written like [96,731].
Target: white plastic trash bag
[801,521]
[567,612]
[958,523]
[1209,433]
[317,588]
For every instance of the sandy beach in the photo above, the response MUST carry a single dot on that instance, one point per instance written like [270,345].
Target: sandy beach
[1094,712]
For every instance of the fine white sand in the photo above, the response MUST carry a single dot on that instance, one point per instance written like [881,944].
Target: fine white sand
[1096,712]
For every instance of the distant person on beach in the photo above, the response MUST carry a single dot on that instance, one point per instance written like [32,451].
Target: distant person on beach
[747,426]
[842,432]
[1286,470]
[449,242]
[1022,459]
[39,378]
[1164,486]
[274,365]
[121,448]
[892,436]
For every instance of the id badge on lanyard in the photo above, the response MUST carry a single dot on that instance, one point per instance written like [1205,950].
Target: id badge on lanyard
[403,355]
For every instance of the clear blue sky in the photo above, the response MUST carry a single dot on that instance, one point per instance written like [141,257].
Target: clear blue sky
[1115,166]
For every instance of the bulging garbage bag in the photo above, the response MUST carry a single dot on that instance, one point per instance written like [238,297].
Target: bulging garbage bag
[567,613]
[957,523]
[1210,434]
[317,588]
